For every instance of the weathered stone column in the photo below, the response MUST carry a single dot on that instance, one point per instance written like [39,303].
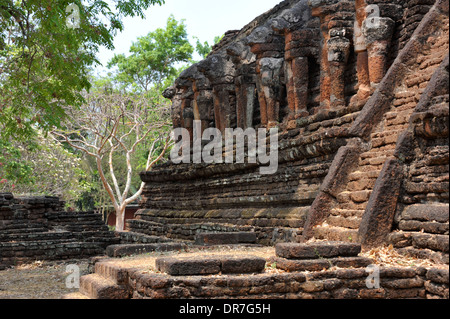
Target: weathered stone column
[338,52]
[269,50]
[336,24]
[319,8]
[360,47]
[203,103]
[220,72]
[245,100]
[301,45]
[378,32]
[188,113]
[298,69]
[269,88]
[223,109]
[245,82]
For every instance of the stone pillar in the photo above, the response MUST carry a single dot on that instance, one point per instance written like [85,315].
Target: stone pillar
[221,72]
[269,87]
[338,52]
[318,10]
[245,100]
[298,81]
[223,109]
[203,103]
[203,100]
[245,83]
[301,41]
[188,113]
[269,50]
[301,45]
[378,32]
[360,47]
[336,24]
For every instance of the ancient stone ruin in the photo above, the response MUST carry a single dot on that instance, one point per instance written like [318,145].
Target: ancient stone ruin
[39,228]
[359,92]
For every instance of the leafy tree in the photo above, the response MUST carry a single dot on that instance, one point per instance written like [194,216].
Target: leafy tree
[111,129]
[205,48]
[42,167]
[46,50]
[154,58]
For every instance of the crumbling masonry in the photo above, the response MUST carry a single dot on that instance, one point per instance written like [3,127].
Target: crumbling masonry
[359,92]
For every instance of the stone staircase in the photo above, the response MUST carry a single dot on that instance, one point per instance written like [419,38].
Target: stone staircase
[344,219]
[36,229]
[423,232]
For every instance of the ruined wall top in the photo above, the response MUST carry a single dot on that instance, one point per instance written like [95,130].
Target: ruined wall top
[301,58]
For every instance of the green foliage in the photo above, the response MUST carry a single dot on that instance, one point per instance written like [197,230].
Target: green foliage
[44,62]
[42,167]
[154,57]
[13,169]
[205,48]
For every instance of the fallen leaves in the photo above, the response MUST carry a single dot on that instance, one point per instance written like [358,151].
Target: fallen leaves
[388,256]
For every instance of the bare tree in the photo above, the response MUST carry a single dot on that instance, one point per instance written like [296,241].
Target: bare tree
[111,125]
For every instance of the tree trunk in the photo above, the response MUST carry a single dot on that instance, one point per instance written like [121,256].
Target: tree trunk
[120,218]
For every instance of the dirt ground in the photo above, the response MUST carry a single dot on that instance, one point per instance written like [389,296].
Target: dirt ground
[38,280]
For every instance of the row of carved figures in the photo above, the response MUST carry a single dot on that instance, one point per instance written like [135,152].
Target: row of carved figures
[267,67]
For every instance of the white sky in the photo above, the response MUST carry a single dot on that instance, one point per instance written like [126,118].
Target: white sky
[205,19]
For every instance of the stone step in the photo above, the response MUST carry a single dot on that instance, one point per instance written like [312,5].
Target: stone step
[374,161]
[345,222]
[347,212]
[22,230]
[75,296]
[110,270]
[334,233]
[361,185]
[427,213]
[317,250]
[128,237]
[138,249]
[95,286]
[19,252]
[87,226]
[357,175]
[321,264]
[228,238]
[375,154]
[202,265]
[355,197]
[37,236]
[101,241]
[427,227]
[419,240]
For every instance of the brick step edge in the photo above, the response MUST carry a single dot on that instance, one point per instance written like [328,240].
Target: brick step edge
[223,238]
[97,287]
[210,265]
[138,249]
[321,264]
[317,250]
